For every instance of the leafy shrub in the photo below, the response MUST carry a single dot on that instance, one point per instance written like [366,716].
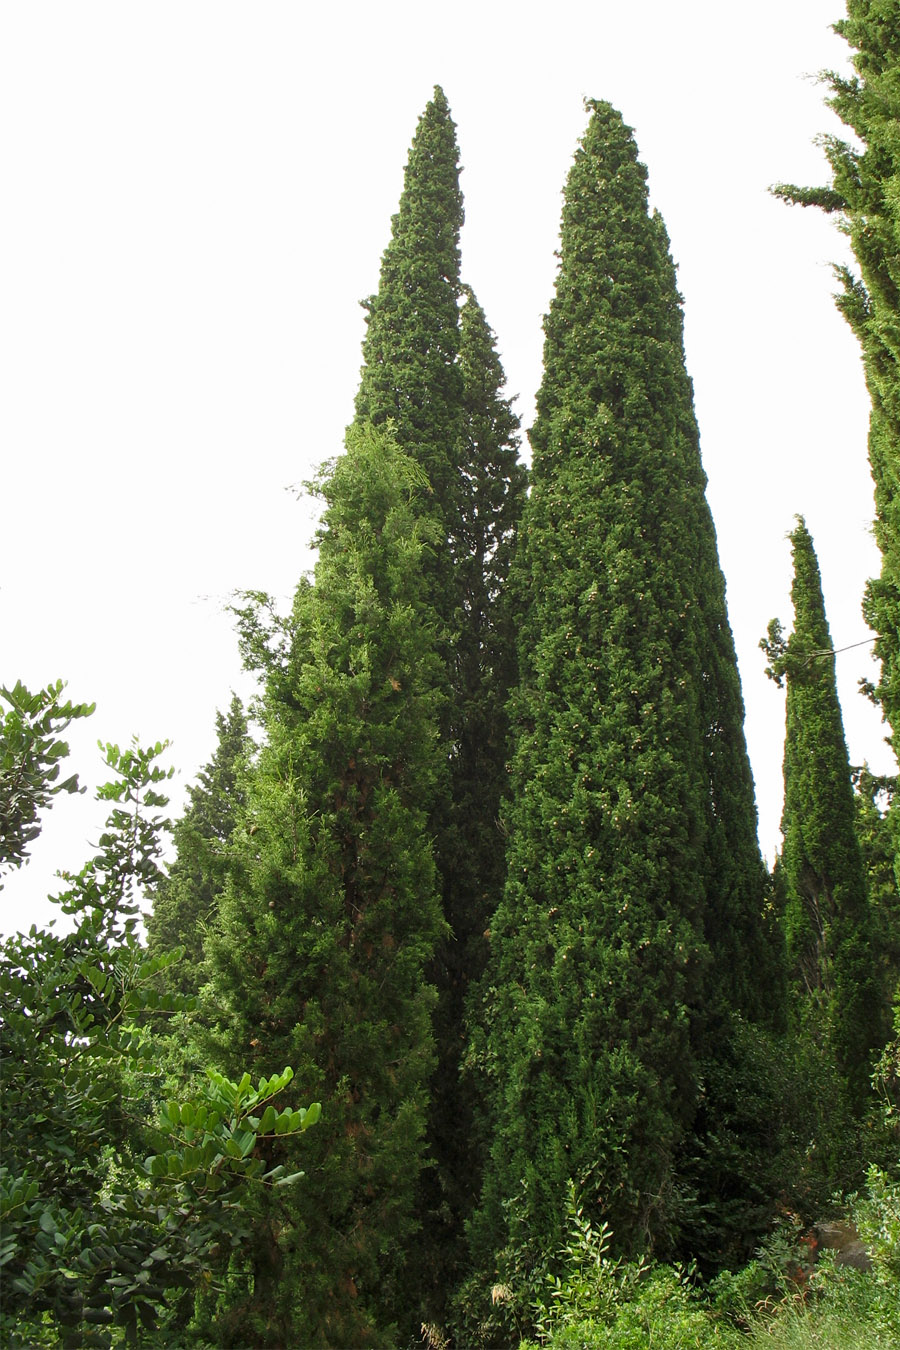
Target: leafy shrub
[96,1236]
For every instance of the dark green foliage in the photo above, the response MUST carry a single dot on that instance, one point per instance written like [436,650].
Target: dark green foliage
[827,920]
[186,900]
[491,491]
[863,193]
[30,758]
[411,374]
[874,800]
[331,911]
[431,367]
[491,495]
[632,911]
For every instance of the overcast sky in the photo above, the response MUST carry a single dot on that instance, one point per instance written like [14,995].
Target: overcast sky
[197,196]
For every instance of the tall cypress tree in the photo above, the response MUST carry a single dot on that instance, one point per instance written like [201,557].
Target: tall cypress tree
[634,887]
[874,797]
[826,914]
[490,495]
[411,372]
[863,195]
[186,900]
[432,369]
[331,913]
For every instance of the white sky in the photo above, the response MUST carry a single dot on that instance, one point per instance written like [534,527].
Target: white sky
[197,196]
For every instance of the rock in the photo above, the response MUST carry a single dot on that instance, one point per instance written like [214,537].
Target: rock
[840,1236]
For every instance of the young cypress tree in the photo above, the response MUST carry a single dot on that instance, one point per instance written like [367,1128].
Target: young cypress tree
[864,196]
[331,913]
[186,900]
[826,913]
[634,888]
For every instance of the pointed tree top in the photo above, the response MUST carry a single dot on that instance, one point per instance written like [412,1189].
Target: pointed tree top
[410,351]
[810,622]
[608,138]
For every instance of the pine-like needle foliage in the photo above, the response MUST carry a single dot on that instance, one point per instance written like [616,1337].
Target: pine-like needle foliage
[632,906]
[826,915]
[331,913]
[432,369]
[864,195]
[186,900]
[411,374]
[490,495]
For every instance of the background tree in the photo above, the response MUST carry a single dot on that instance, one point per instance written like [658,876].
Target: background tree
[331,912]
[634,893]
[97,1238]
[826,915]
[863,195]
[187,896]
[490,494]
[874,796]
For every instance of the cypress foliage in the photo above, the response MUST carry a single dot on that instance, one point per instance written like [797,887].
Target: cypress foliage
[634,891]
[491,491]
[186,900]
[864,196]
[411,374]
[874,798]
[490,497]
[826,912]
[431,368]
[331,913]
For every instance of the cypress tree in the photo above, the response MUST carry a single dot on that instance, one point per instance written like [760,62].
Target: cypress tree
[490,494]
[863,195]
[431,368]
[331,913]
[186,900]
[826,909]
[874,798]
[411,374]
[634,891]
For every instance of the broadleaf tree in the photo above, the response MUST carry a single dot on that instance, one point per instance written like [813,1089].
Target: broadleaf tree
[98,1239]
[31,755]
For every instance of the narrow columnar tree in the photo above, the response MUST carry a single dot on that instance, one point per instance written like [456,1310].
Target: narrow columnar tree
[431,368]
[634,891]
[490,494]
[826,909]
[411,373]
[331,912]
[186,900]
[863,194]
[874,797]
